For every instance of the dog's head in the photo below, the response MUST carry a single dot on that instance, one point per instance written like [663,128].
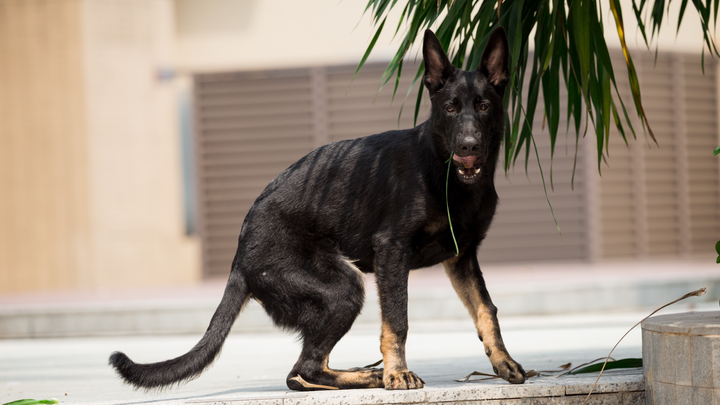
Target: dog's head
[467,106]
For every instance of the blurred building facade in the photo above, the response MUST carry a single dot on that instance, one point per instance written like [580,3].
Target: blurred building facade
[93,99]
[648,201]
[89,153]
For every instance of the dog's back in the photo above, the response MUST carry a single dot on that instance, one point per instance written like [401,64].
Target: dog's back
[346,191]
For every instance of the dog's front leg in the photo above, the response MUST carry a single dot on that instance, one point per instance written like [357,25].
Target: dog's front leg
[467,279]
[392,280]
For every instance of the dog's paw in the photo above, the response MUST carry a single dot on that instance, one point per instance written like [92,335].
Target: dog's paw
[402,380]
[509,370]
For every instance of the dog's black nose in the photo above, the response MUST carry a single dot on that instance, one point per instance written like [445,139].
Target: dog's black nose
[467,146]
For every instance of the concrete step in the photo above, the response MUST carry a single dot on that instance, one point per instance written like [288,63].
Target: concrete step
[517,290]
[625,387]
[253,366]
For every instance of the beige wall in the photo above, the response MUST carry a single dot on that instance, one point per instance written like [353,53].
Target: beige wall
[89,153]
[268,34]
[259,34]
[44,222]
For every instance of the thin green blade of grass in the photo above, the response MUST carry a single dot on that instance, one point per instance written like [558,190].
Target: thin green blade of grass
[622,363]
[32,402]
[447,204]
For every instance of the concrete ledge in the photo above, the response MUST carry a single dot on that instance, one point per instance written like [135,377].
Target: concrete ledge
[625,387]
[253,366]
[152,317]
[515,293]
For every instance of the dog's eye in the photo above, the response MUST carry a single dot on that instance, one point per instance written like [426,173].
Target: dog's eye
[483,106]
[450,108]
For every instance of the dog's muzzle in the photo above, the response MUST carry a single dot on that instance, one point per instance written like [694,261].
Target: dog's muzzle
[469,169]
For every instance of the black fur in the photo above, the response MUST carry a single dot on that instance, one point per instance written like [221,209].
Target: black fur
[377,205]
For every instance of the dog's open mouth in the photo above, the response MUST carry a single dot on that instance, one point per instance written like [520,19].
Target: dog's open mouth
[469,168]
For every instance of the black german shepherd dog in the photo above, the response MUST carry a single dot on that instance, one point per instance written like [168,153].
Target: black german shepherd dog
[370,205]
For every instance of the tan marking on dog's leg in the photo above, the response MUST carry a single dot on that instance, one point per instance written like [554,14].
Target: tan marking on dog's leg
[396,375]
[484,315]
[306,384]
[346,379]
[392,349]
[464,291]
[360,379]
[433,227]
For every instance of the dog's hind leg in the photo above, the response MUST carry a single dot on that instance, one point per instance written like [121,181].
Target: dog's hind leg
[311,372]
[467,279]
[322,305]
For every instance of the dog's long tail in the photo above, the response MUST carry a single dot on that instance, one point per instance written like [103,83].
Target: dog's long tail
[194,362]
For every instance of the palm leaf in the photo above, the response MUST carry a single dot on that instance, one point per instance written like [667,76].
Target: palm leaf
[569,44]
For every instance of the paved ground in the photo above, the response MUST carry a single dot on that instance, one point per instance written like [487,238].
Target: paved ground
[440,348]
[75,370]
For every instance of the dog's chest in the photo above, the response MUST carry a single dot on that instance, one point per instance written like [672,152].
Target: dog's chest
[434,227]
[432,243]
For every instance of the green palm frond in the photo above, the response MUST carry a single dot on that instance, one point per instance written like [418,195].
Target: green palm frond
[569,46]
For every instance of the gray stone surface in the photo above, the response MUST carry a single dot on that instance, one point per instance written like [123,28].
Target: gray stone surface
[702,367]
[666,372]
[542,390]
[715,362]
[668,394]
[596,399]
[702,396]
[634,398]
[612,381]
[252,367]
[693,323]
[681,357]
[496,389]
[685,395]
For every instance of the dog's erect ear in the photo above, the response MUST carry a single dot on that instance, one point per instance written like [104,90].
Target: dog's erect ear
[438,68]
[494,63]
